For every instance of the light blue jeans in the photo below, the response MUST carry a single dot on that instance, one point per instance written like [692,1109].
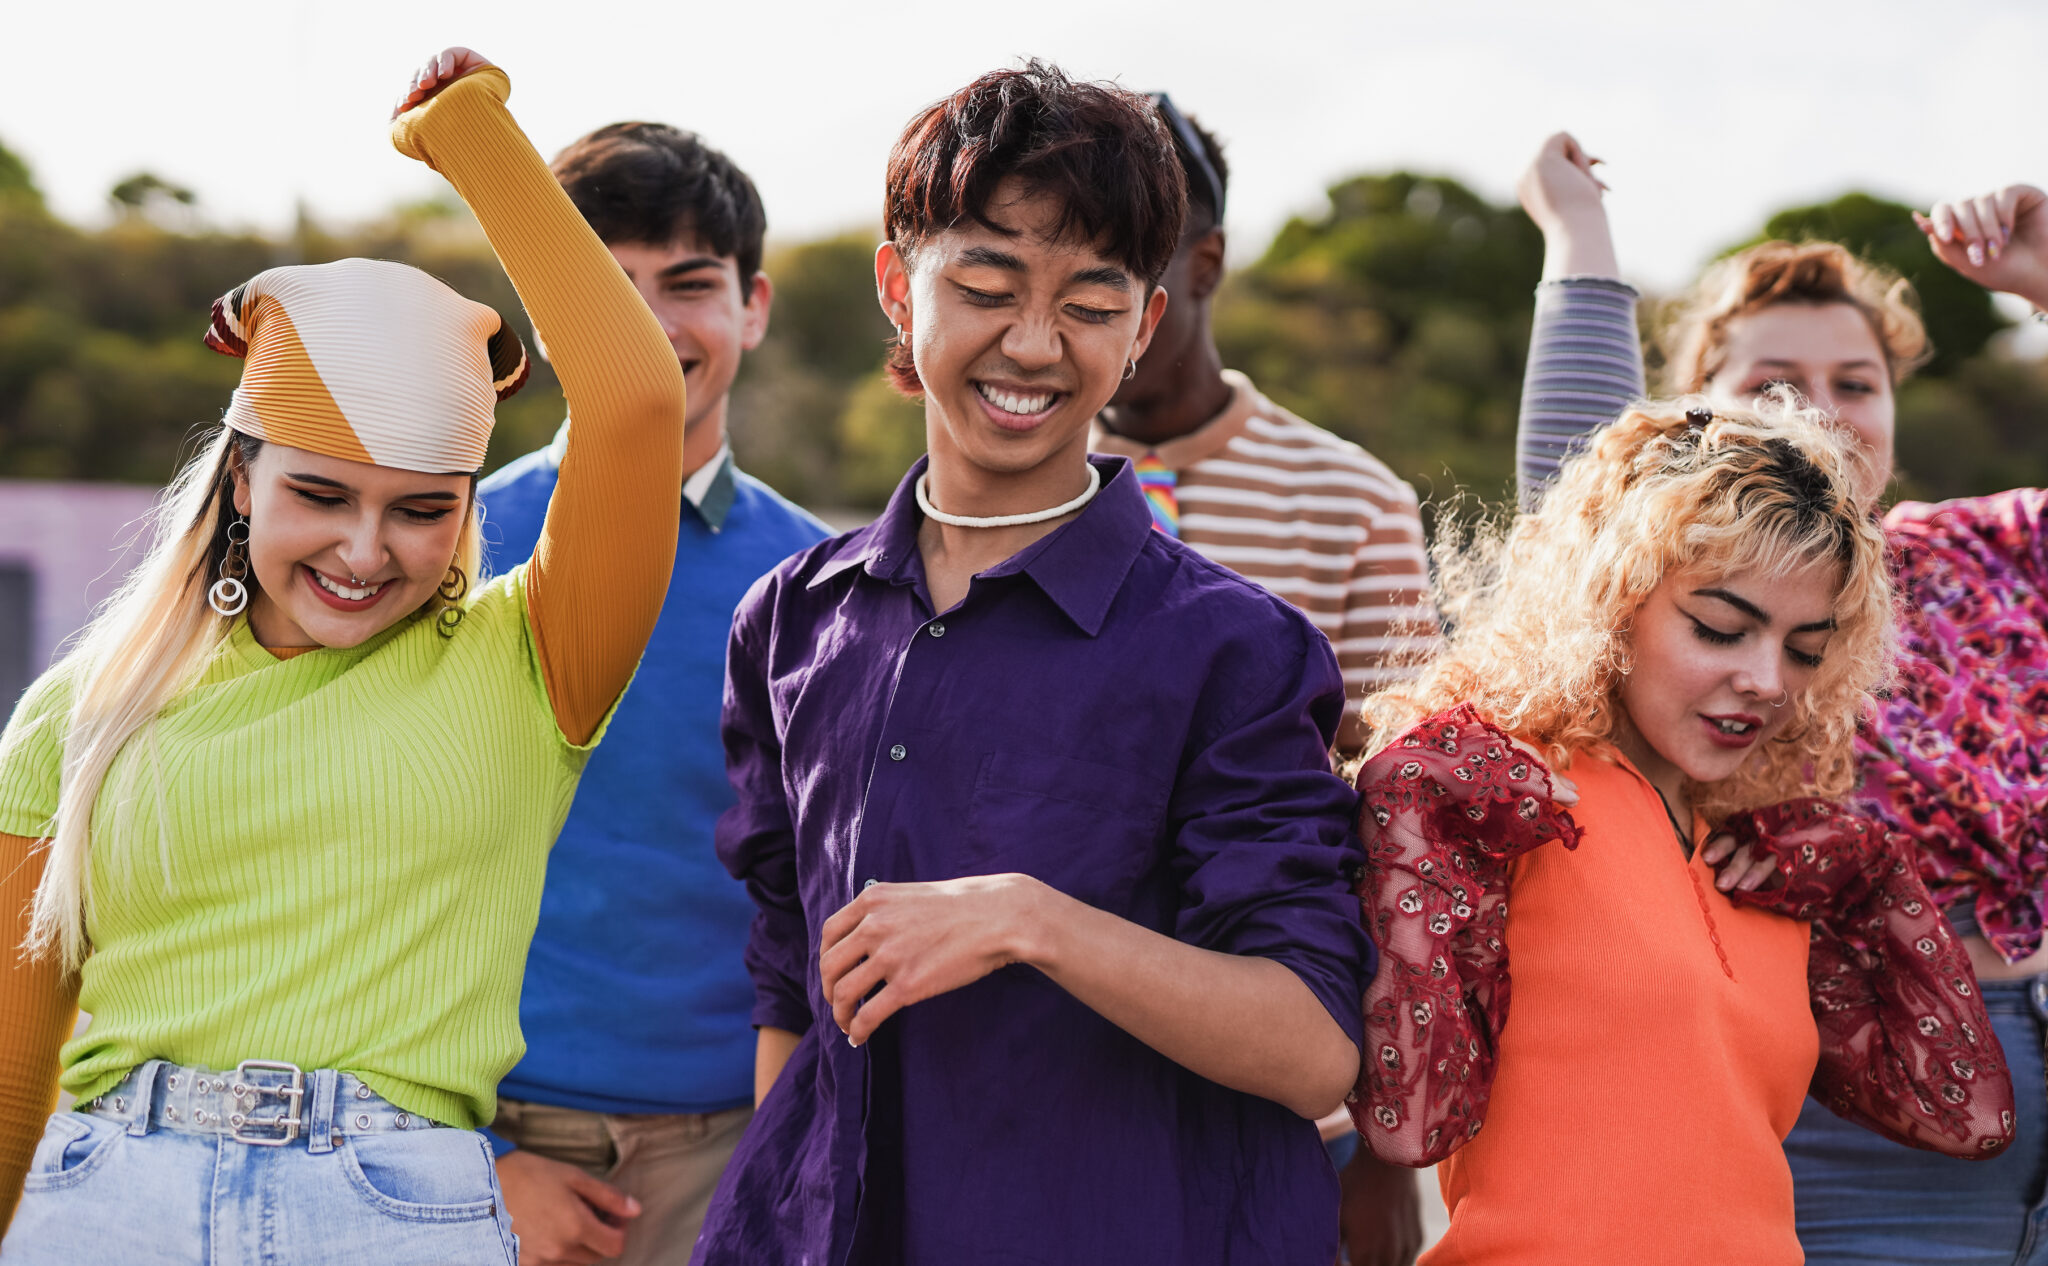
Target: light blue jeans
[1865,1200]
[136,1180]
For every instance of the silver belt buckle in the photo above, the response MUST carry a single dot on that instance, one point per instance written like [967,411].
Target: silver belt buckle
[288,1121]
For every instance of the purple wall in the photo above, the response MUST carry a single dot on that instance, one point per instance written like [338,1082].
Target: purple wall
[70,538]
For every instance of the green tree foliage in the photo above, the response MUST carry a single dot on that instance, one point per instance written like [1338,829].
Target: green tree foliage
[1398,319]
[826,334]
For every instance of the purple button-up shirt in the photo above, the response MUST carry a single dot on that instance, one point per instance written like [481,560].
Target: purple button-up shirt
[1132,724]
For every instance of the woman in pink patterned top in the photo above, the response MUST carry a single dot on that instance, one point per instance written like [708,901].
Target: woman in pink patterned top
[1954,757]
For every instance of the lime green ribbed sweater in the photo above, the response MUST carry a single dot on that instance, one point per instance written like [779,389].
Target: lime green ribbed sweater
[347,878]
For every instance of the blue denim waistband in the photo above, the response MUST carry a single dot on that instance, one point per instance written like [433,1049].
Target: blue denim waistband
[2026,996]
[257,1103]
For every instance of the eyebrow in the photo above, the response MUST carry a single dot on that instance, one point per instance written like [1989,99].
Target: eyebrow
[1861,362]
[994,257]
[990,257]
[1757,613]
[324,482]
[695,263]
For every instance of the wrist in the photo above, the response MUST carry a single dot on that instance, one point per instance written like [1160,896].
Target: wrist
[1035,933]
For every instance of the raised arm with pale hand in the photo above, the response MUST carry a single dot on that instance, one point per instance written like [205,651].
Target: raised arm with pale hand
[1998,240]
[1585,364]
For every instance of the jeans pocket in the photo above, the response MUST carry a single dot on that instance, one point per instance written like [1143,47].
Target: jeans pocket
[73,1147]
[424,1176]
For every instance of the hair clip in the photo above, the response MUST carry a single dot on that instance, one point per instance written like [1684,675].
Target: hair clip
[1698,417]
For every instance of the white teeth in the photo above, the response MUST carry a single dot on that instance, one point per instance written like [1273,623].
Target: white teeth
[343,591]
[1732,727]
[1011,403]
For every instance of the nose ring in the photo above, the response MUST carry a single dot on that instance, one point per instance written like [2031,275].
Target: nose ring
[1783,699]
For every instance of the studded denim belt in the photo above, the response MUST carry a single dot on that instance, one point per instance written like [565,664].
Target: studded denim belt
[264,1103]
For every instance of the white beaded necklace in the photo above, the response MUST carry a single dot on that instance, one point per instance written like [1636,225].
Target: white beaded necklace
[924,503]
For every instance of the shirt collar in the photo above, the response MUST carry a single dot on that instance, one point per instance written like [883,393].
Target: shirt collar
[1081,566]
[1200,444]
[709,491]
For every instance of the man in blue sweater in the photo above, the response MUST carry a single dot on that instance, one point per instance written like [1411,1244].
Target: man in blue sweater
[639,1070]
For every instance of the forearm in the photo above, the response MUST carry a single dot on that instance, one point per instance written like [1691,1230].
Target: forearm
[38,1006]
[1585,365]
[1247,1023]
[772,1049]
[601,569]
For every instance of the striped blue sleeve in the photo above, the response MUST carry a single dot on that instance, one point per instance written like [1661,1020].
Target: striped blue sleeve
[1585,366]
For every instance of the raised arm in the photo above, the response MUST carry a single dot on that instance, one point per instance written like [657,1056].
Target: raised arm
[601,569]
[1443,810]
[1585,357]
[38,1005]
[1906,1048]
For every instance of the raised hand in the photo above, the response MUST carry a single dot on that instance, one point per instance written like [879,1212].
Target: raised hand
[1562,195]
[1998,240]
[442,69]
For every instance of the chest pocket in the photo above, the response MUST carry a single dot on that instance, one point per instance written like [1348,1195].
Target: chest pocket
[1089,830]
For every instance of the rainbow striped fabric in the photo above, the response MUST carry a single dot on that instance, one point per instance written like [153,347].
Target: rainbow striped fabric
[1156,480]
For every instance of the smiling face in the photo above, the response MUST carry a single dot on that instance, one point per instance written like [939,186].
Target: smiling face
[709,316]
[1019,338]
[343,550]
[1828,353]
[1714,655]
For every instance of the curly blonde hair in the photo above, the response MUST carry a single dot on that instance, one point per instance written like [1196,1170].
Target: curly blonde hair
[1541,611]
[1772,273]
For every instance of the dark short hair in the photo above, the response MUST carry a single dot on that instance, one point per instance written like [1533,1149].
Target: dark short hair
[1099,150]
[649,183]
[1198,189]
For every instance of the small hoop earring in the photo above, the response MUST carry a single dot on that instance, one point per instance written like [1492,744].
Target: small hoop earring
[1783,699]
[1130,370]
[230,593]
[900,335]
[452,588]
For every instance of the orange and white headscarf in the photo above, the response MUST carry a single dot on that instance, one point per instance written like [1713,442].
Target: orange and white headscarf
[368,361]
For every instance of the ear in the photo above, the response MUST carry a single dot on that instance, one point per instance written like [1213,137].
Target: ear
[238,474]
[754,316]
[892,284]
[1148,324]
[1205,266]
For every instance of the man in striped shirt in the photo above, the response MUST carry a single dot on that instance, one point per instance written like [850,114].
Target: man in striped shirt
[1314,518]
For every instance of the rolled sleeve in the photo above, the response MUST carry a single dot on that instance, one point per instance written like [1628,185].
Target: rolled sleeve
[1265,836]
[756,837]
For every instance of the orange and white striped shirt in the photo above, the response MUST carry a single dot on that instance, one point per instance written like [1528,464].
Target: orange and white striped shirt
[1315,519]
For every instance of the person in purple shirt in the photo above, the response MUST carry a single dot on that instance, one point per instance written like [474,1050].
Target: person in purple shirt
[1055,951]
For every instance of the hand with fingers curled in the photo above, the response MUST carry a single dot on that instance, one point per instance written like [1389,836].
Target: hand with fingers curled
[1803,858]
[1998,240]
[440,70]
[898,944]
[1562,195]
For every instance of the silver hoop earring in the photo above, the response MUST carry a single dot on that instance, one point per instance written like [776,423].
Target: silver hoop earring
[1130,370]
[900,335]
[229,594]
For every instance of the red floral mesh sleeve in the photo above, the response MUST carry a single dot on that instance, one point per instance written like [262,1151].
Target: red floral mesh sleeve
[1443,810]
[1905,1046]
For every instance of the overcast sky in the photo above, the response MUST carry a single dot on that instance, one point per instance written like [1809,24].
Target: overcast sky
[1709,114]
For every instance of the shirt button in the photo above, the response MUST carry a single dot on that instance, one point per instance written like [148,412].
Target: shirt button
[938,628]
[869,884]
[898,752]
